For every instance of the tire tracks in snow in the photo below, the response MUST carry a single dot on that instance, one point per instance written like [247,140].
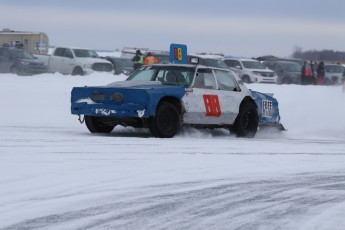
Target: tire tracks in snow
[277,203]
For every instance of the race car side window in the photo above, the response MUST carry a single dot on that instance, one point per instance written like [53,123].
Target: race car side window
[225,81]
[175,75]
[204,79]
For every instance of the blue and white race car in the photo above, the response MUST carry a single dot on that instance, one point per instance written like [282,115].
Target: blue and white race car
[165,97]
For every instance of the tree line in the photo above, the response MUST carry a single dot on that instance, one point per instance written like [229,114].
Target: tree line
[323,55]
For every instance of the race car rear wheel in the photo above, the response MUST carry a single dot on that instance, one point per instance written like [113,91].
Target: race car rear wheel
[247,121]
[95,125]
[167,121]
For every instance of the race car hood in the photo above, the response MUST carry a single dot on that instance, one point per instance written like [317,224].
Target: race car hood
[132,84]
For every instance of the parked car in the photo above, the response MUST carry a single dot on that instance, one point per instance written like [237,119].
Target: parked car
[250,70]
[121,65]
[165,97]
[208,60]
[75,61]
[20,62]
[274,58]
[287,72]
[333,74]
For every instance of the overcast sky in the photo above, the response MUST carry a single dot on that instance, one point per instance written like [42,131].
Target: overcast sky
[248,28]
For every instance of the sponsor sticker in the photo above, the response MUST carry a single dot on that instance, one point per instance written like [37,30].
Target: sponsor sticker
[267,108]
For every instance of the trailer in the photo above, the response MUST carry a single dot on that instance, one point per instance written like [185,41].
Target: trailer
[33,42]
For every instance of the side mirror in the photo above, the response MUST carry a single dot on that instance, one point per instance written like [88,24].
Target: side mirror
[238,67]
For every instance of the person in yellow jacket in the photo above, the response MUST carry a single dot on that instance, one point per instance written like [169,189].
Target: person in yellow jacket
[150,59]
[138,60]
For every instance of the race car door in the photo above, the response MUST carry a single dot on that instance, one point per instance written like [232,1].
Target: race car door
[202,104]
[230,94]
[211,100]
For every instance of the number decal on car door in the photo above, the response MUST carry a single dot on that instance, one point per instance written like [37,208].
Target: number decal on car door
[212,105]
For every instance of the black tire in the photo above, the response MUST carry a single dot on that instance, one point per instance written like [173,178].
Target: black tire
[95,125]
[335,80]
[247,121]
[77,71]
[167,121]
[246,79]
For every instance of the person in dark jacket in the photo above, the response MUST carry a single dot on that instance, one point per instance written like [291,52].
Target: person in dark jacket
[138,60]
[320,74]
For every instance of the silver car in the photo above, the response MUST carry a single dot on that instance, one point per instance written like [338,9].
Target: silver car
[333,74]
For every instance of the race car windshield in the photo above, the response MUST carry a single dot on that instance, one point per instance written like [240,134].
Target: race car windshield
[167,75]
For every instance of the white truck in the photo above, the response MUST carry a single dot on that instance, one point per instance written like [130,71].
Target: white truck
[75,61]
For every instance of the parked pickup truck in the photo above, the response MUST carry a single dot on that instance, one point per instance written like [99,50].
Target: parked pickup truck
[75,61]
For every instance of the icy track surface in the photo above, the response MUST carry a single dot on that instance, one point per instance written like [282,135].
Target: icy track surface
[54,174]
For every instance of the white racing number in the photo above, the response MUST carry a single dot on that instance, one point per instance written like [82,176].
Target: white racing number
[267,108]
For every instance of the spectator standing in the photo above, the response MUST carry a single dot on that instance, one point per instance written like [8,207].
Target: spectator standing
[307,74]
[320,74]
[138,60]
[150,59]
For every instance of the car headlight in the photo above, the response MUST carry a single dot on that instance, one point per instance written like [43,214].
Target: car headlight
[97,96]
[125,72]
[87,66]
[257,73]
[116,97]
[24,63]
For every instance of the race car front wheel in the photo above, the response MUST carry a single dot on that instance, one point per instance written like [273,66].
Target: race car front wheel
[166,122]
[247,121]
[95,125]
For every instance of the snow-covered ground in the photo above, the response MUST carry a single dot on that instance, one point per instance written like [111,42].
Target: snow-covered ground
[54,174]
